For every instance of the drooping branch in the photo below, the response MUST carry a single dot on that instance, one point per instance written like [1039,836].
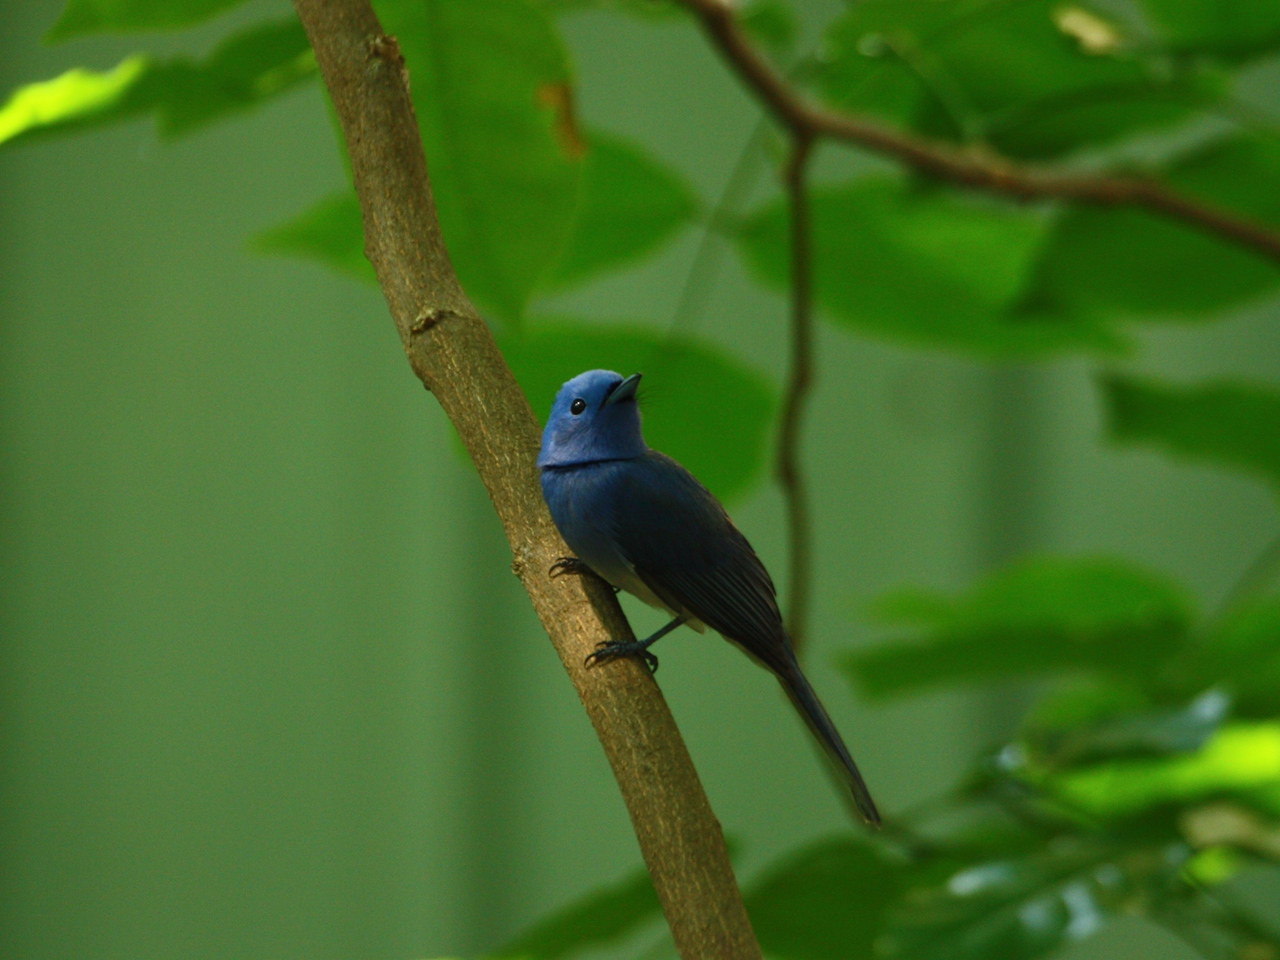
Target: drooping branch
[799,381]
[963,168]
[450,349]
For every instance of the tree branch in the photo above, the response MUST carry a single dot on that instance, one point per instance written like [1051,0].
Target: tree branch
[452,352]
[978,171]
[799,380]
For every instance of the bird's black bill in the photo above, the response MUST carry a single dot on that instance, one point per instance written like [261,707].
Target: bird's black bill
[626,390]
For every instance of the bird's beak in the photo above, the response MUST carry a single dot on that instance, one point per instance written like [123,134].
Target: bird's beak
[626,390]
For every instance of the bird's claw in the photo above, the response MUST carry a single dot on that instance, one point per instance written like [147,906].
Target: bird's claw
[572,565]
[608,650]
[567,565]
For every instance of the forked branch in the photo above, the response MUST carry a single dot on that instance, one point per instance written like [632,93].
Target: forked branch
[994,174]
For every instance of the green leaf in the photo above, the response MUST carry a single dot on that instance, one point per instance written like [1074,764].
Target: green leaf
[491,87]
[1023,77]
[1125,263]
[595,920]
[330,232]
[922,266]
[631,204]
[723,446]
[1225,424]
[76,99]
[1034,617]
[825,902]
[1228,28]
[1241,759]
[770,23]
[81,17]
[1239,173]
[1016,908]
[1242,655]
[247,68]
[1130,733]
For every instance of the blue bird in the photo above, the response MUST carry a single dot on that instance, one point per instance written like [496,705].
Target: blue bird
[642,522]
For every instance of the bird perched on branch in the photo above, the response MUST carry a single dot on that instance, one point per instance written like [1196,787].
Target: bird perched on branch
[642,522]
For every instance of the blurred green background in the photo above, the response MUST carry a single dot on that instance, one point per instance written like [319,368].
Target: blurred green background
[267,685]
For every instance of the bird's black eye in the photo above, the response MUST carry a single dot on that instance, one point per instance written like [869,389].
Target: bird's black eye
[577,406]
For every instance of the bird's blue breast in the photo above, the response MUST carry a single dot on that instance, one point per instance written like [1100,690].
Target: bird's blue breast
[582,505]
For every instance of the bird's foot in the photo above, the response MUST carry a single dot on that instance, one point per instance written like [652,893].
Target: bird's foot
[613,649]
[568,565]
[572,565]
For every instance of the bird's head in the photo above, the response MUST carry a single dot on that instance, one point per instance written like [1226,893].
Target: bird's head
[595,417]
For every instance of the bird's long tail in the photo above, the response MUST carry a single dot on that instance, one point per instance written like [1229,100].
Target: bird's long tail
[815,716]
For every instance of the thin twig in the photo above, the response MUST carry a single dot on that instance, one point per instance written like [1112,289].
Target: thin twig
[452,352]
[799,380]
[979,170]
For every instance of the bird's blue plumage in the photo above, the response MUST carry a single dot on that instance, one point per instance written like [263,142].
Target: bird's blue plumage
[645,524]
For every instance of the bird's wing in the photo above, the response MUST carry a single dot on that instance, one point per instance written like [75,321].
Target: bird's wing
[685,548]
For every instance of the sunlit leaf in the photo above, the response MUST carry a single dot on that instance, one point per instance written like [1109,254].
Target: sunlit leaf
[825,902]
[1239,758]
[492,91]
[723,446]
[100,16]
[597,919]
[247,68]
[921,266]
[1226,424]
[329,232]
[631,204]
[1034,617]
[77,98]
[1232,28]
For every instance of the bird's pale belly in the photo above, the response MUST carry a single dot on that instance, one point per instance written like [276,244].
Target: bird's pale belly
[619,573]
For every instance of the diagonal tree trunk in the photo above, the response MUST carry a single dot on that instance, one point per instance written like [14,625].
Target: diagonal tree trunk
[452,352]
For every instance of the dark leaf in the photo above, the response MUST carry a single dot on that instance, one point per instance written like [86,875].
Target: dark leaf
[491,87]
[1012,909]
[1034,79]
[330,232]
[1035,617]
[246,69]
[770,23]
[80,17]
[1242,655]
[723,445]
[1228,28]
[920,266]
[1225,424]
[631,204]
[599,918]
[1135,733]
[1126,263]
[826,902]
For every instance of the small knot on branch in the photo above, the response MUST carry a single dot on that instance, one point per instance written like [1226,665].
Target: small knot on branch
[426,319]
[384,48]
[521,557]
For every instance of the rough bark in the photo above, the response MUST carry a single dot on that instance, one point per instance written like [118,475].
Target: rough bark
[453,353]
